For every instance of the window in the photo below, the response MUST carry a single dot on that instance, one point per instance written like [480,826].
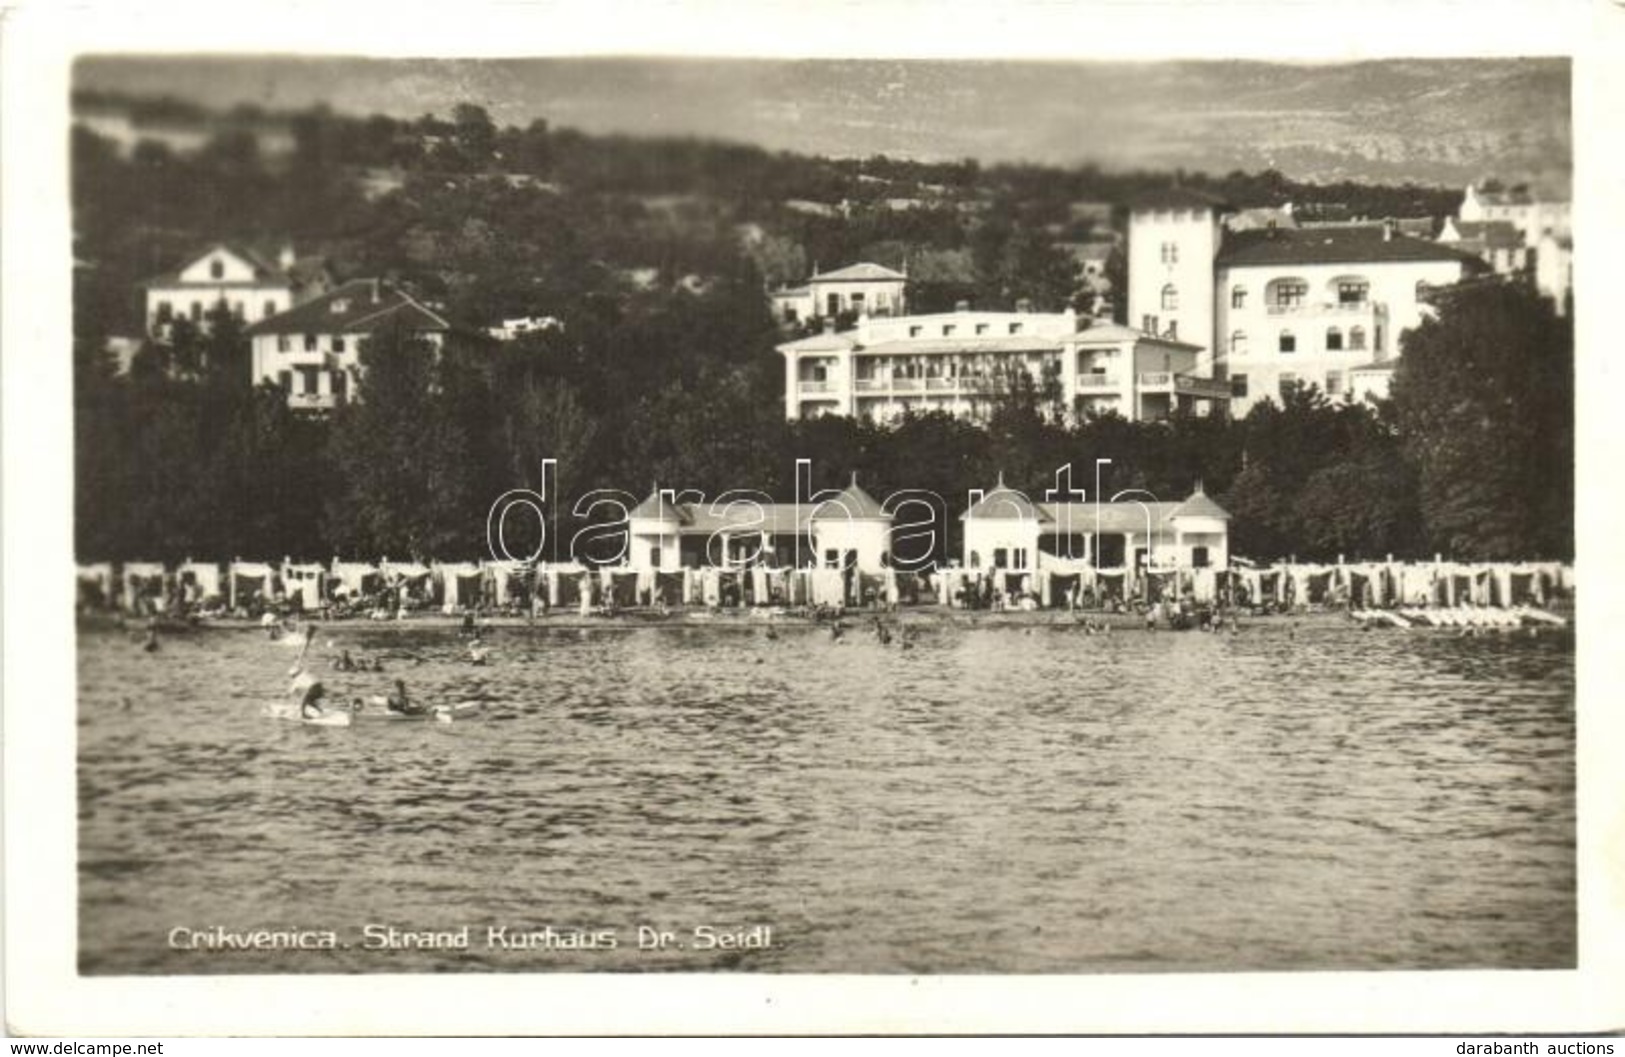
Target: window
[1238,343]
[1238,297]
[981,328]
[790,314]
[1353,292]
[310,343]
[340,385]
[1148,324]
[1199,559]
[270,310]
[165,311]
[857,301]
[1334,383]
[312,380]
[832,305]
[1334,340]
[832,558]
[820,373]
[1286,383]
[1238,386]
[1288,341]
[1289,293]
[282,343]
[1173,329]
[1015,328]
[1377,344]
[1421,289]
[1170,298]
[338,344]
[1170,253]
[217,270]
[915,332]
[1001,558]
[1357,338]
[947,330]
[1018,558]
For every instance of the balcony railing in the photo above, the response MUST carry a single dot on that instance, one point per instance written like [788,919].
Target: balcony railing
[868,385]
[906,385]
[1319,308]
[1099,381]
[312,401]
[1155,380]
[1207,387]
[810,386]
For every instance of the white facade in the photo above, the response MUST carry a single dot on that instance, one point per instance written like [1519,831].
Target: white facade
[249,288]
[1171,250]
[958,362]
[1006,531]
[848,529]
[1532,217]
[860,289]
[313,351]
[1314,323]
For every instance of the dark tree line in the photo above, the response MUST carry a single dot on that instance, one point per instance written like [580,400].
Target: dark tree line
[663,368]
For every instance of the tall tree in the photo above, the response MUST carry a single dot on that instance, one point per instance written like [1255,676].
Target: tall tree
[1484,396]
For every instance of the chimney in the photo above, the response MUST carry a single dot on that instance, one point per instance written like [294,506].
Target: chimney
[961,306]
[287,257]
[1388,227]
[375,291]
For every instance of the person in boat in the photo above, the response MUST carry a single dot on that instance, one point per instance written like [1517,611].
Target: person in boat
[398,702]
[310,704]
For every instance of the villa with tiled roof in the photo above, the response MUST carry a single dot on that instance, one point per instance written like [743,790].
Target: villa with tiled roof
[859,289]
[1272,306]
[313,350]
[240,278]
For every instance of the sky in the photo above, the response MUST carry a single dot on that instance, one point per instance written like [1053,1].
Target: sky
[1431,120]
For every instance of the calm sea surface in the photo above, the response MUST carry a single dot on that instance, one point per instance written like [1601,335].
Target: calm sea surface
[996,799]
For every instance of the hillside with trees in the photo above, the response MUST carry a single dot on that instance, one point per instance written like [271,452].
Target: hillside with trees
[655,255]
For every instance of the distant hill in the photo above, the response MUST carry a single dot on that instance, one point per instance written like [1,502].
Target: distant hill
[1442,121]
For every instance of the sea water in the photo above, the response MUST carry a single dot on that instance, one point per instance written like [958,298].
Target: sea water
[994,799]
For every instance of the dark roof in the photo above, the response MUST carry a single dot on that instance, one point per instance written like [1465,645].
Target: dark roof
[1494,234]
[1350,245]
[853,502]
[1005,503]
[861,272]
[1179,198]
[366,304]
[1199,505]
[657,508]
[264,270]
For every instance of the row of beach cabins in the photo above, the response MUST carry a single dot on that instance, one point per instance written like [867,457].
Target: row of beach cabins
[396,589]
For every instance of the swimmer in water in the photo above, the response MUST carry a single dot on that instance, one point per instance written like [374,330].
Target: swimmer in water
[310,706]
[399,703]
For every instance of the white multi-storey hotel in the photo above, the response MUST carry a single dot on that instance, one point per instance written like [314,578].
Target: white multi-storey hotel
[959,361]
[1273,306]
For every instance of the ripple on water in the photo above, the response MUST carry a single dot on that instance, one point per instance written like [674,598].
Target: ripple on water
[989,801]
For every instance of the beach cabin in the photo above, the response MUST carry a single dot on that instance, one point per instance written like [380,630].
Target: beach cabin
[96,585]
[304,582]
[1045,549]
[144,587]
[199,582]
[250,584]
[846,530]
[462,585]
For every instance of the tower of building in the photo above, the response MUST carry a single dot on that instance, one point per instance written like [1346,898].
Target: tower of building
[1173,240]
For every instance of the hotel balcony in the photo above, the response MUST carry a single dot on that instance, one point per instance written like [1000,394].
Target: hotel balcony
[307,358]
[1184,384]
[1324,308]
[313,401]
[1095,383]
[933,385]
[809,386]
